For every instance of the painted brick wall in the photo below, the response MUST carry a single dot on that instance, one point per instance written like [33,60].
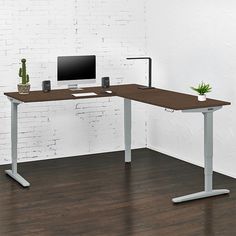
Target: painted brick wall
[41,30]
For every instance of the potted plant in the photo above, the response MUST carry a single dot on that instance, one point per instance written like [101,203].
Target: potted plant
[24,86]
[202,89]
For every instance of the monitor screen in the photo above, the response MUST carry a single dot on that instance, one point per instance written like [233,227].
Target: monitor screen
[76,68]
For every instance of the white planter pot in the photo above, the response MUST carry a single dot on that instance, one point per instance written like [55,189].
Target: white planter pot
[23,88]
[202,98]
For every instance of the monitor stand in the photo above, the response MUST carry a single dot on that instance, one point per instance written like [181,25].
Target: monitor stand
[74,87]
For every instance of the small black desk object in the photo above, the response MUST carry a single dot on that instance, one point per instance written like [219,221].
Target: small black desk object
[105,82]
[46,86]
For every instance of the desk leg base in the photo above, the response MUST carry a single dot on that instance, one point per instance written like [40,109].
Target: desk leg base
[200,195]
[18,178]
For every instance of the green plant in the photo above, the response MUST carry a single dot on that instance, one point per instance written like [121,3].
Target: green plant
[202,88]
[22,72]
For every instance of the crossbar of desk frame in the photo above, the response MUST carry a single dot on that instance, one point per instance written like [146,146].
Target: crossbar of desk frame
[208,149]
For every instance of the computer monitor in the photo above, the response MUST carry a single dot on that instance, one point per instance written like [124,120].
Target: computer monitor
[74,70]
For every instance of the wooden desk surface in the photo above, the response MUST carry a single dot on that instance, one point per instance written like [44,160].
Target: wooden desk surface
[158,97]
[57,94]
[165,98]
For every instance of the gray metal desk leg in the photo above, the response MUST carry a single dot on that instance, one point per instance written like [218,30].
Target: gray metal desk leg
[208,162]
[13,172]
[127,129]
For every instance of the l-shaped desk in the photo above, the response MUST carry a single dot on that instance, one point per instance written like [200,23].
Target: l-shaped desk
[158,97]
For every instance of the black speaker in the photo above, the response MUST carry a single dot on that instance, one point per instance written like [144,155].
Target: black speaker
[105,82]
[46,86]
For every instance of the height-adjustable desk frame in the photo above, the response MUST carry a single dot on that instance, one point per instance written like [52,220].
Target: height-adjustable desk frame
[158,97]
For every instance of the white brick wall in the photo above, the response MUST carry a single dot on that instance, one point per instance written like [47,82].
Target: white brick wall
[41,30]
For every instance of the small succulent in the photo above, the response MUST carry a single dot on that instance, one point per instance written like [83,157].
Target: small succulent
[202,88]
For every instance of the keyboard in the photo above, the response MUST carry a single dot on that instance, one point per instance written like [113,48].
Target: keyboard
[84,94]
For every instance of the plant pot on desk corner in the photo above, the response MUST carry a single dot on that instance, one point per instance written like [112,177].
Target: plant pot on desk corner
[201,98]
[23,88]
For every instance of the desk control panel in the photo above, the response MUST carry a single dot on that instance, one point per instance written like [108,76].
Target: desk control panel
[169,110]
[84,94]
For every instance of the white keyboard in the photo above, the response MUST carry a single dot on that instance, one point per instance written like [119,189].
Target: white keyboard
[84,94]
